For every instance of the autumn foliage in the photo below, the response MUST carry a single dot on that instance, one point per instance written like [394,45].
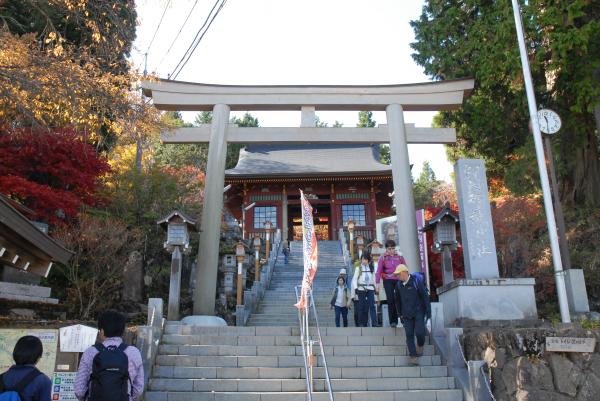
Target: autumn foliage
[519,228]
[52,172]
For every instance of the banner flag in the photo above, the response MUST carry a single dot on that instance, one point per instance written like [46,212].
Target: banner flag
[420,214]
[309,246]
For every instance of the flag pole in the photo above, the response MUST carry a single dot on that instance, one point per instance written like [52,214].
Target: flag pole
[559,274]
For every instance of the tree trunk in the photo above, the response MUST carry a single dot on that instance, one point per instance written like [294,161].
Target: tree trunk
[582,186]
[597,117]
[138,154]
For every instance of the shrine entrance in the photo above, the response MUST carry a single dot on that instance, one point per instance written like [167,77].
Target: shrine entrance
[321,219]
[222,99]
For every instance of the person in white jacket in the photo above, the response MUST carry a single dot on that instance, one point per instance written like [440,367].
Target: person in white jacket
[363,286]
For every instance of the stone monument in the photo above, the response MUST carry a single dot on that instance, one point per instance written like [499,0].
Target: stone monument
[482,294]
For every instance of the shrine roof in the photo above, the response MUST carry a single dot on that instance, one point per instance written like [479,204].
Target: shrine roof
[294,160]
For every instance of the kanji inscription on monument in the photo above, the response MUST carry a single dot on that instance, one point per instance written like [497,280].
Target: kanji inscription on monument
[477,232]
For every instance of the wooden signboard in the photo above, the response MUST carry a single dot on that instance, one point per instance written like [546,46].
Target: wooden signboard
[570,344]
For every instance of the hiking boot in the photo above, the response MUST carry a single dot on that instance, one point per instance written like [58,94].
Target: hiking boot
[419,350]
[413,361]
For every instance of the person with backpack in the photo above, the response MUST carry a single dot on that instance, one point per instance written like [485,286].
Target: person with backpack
[110,370]
[340,300]
[363,287]
[413,306]
[23,381]
[385,270]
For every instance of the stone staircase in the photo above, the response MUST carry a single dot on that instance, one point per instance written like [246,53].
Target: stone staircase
[277,306]
[266,364]
[263,361]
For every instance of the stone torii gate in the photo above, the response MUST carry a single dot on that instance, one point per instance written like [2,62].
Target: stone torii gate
[221,99]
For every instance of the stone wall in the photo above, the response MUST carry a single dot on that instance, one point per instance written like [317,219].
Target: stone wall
[522,370]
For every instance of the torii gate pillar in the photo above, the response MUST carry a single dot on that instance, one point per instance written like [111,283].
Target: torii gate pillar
[403,192]
[206,273]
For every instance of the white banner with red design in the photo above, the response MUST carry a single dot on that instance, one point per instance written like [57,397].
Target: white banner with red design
[309,246]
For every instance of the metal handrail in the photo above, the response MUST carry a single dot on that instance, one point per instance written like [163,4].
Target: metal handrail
[487,383]
[307,344]
[320,340]
[462,352]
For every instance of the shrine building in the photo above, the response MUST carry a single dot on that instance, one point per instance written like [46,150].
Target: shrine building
[342,182]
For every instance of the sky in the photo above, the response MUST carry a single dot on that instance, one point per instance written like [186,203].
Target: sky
[279,42]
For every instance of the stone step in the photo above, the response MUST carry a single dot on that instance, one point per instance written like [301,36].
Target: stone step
[324,290]
[290,350]
[322,310]
[271,296]
[186,372]
[285,361]
[265,323]
[400,395]
[299,279]
[228,331]
[280,340]
[291,312]
[292,319]
[268,324]
[321,276]
[278,385]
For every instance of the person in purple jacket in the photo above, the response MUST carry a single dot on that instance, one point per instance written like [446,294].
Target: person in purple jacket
[23,377]
[112,326]
[385,270]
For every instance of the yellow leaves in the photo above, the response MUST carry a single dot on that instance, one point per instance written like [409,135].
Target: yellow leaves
[58,51]
[50,38]
[56,89]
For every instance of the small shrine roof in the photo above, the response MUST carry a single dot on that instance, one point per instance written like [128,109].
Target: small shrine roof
[308,160]
[23,245]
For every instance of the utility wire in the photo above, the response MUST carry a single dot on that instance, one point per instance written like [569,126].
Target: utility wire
[197,39]
[178,33]
[202,36]
[155,32]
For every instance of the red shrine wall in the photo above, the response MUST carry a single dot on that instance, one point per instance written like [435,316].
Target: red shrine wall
[333,204]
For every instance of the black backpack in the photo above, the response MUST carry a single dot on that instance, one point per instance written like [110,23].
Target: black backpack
[110,374]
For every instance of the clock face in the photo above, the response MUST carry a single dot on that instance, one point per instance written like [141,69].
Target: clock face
[549,121]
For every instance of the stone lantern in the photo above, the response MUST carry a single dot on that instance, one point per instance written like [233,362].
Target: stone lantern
[228,267]
[268,227]
[444,225]
[240,254]
[256,245]
[350,224]
[178,227]
[390,232]
[376,250]
[360,244]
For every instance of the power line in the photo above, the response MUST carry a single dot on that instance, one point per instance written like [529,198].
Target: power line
[178,33]
[197,39]
[155,32]
[202,36]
